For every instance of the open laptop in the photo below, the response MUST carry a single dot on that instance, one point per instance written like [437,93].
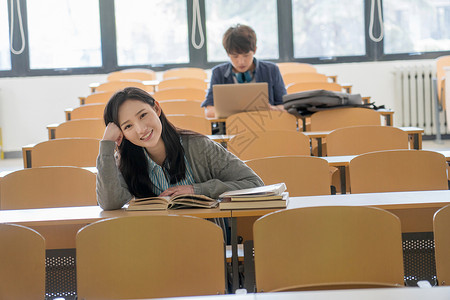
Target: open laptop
[234,98]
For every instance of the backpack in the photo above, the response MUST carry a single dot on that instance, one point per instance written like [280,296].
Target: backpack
[306,103]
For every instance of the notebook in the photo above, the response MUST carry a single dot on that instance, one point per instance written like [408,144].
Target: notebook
[235,98]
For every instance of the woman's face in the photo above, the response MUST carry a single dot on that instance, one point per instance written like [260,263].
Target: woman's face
[140,123]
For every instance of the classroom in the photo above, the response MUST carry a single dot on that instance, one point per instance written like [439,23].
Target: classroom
[345,102]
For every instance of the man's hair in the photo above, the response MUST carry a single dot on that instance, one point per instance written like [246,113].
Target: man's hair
[239,39]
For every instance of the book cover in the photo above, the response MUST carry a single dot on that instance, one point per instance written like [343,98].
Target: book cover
[258,193]
[176,202]
[227,203]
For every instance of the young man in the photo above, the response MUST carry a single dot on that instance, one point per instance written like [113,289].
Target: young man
[240,45]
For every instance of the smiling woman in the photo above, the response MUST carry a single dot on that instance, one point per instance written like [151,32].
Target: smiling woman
[156,158]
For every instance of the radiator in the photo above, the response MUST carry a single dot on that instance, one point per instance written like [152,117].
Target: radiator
[415,99]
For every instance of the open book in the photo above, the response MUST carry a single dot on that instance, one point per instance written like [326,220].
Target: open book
[175,202]
[267,192]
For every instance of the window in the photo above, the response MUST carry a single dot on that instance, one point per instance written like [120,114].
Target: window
[5,57]
[151,32]
[328,28]
[64,34]
[416,26]
[261,15]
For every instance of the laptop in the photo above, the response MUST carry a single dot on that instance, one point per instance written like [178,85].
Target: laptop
[240,97]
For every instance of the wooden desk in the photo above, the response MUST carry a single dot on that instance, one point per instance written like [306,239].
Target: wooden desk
[149,83]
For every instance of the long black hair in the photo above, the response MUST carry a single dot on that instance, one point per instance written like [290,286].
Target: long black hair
[133,163]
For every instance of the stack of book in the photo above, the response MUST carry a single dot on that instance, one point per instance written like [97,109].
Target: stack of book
[269,196]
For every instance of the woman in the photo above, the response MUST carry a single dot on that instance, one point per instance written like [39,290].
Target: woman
[155,158]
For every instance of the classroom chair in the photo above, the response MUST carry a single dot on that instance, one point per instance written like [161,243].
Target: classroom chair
[180,93]
[291,78]
[441,229]
[22,261]
[132,73]
[195,123]
[441,62]
[294,67]
[313,85]
[182,82]
[84,128]
[397,171]
[98,97]
[185,73]
[42,187]
[261,120]
[150,257]
[76,152]
[117,85]
[328,247]
[344,117]
[182,107]
[88,111]
[251,145]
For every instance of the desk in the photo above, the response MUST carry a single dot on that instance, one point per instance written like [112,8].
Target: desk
[149,83]
[412,293]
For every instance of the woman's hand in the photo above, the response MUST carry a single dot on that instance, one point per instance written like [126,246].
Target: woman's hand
[113,133]
[178,190]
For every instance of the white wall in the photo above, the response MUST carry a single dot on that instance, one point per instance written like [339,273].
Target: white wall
[29,104]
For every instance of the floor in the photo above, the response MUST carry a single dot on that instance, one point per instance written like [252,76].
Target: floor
[13,164]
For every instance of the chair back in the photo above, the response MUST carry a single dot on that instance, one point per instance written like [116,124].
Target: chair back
[441,62]
[22,257]
[183,82]
[195,123]
[180,93]
[150,257]
[262,120]
[185,73]
[47,187]
[441,229]
[76,152]
[133,74]
[325,245]
[180,107]
[398,171]
[313,85]
[85,128]
[251,145]
[344,117]
[303,175]
[88,111]
[98,97]
[362,139]
[290,78]
[294,67]
[114,86]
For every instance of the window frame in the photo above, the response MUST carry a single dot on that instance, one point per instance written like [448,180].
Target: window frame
[198,57]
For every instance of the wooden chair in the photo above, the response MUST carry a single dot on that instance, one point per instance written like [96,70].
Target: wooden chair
[397,171]
[76,152]
[328,247]
[195,123]
[251,145]
[88,111]
[98,97]
[344,117]
[150,257]
[22,260]
[357,140]
[313,85]
[85,128]
[262,120]
[114,86]
[294,67]
[185,73]
[180,93]
[171,83]
[186,107]
[291,78]
[441,62]
[47,187]
[441,228]
[134,74]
